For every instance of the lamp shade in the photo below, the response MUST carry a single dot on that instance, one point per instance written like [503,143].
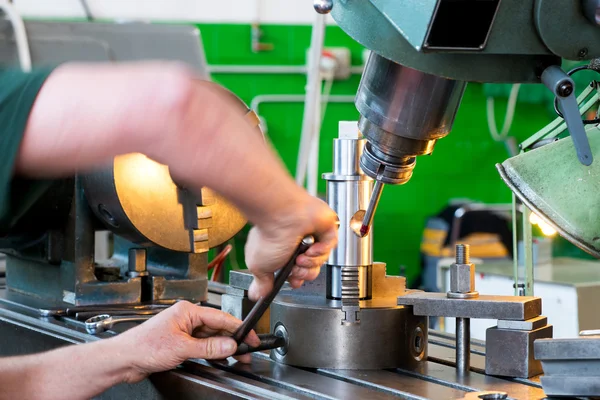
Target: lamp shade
[552,182]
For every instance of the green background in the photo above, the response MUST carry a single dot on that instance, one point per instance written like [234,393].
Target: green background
[461,166]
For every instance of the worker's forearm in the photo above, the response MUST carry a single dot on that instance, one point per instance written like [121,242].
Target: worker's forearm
[73,372]
[87,114]
[221,151]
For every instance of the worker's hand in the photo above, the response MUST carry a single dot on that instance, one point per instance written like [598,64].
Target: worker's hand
[270,246]
[178,333]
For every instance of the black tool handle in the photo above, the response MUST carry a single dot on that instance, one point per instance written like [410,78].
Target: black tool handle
[263,303]
[267,342]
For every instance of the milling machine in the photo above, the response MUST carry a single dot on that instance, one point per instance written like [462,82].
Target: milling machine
[354,332]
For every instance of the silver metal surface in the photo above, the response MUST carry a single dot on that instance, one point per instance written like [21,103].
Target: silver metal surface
[527,325]
[462,278]
[351,291]
[403,113]
[463,345]
[23,332]
[105,322]
[462,275]
[511,352]
[388,336]
[342,280]
[462,286]
[462,254]
[323,6]
[484,306]
[570,386]
[348,191]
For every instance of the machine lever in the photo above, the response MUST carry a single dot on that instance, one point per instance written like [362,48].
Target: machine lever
[563,87]
[264,302]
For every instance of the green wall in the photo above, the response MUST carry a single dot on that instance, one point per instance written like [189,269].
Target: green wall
[462,165]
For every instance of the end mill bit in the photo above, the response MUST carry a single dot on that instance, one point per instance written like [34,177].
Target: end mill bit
[370,212]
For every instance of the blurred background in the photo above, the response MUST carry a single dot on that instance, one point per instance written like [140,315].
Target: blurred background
[259,50]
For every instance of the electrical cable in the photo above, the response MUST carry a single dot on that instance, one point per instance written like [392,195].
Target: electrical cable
[86,10]
[325,96]
[20,34]
[508,118]
[313,97]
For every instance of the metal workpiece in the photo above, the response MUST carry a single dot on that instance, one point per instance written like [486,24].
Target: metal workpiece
[510,352]
[349,282]
[403,113]
[346,198]
[348,194]
[571,366]
[527,325]
[485,306]
[317,339]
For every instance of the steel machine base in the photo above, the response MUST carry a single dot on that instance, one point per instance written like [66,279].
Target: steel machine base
[24,331]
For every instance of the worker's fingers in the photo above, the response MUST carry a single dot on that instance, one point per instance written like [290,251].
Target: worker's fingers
[310,262]
[212,348]
[328,238]
[261,285]
[318,249]
[244,358]
[295,282]
[204,332]
[214,319]
[307,274]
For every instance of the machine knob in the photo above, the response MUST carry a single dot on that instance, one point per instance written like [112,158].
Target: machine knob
[323,6]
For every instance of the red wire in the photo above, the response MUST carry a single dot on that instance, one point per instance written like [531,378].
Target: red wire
[217,263]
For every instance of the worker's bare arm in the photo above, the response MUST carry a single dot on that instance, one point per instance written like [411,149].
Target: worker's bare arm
[86,114]
[159,344]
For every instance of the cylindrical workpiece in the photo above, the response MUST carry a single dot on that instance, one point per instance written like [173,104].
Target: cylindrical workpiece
[463,345]
[348,192]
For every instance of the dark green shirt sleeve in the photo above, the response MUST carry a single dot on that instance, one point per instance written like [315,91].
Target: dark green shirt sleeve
[18,91]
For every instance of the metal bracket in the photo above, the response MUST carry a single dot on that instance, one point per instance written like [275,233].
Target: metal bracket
[563,88]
